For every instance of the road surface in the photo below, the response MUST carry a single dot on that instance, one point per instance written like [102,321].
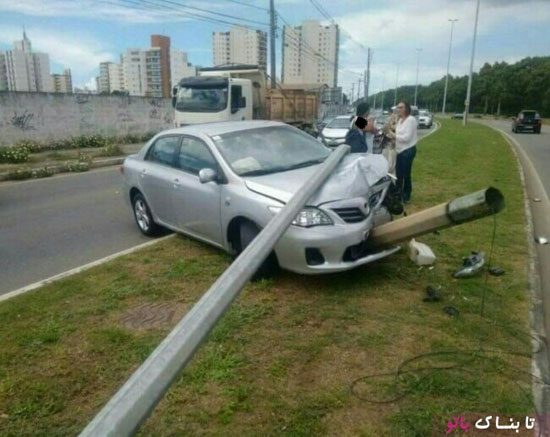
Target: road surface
[49,226]
[537,147]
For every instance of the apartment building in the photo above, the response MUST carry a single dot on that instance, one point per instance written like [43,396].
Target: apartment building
[62,83]
[180,66]
[23,70]
[240,45]
[162,43]
[310,53]
[111,78]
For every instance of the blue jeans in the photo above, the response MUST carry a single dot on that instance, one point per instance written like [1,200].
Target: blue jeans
[403,169]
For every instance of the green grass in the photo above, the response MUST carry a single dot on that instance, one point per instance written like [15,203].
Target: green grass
[282,360]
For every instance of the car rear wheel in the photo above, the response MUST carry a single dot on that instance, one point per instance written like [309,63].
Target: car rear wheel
[143,216]
[270,267]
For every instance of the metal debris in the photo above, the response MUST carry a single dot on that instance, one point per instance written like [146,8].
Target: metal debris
[541,240]
[471,265]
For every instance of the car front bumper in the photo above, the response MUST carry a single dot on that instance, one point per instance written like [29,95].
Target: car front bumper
[333,242]
[333,142]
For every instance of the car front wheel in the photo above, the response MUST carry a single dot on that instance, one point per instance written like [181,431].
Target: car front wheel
[143,216]
[247,232]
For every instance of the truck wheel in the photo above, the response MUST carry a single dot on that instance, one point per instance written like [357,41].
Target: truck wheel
[143,216]
[270,267]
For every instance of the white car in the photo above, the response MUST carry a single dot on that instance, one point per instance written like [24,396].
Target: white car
[334,133]
[424,119]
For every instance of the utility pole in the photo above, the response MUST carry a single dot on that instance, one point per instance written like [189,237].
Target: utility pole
[374,103]
[368,74]
[365,96]
[272,34]
[469,91]
[417,68]
[383,85]
[352,92]
[395,91]
[358,88]
[452,21]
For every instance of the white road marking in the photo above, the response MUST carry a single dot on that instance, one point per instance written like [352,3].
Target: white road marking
[82,268]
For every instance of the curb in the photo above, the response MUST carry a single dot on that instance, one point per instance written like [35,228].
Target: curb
[58,169]
[34,286]
[537,222]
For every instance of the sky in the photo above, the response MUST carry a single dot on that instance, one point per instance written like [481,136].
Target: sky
[79,34]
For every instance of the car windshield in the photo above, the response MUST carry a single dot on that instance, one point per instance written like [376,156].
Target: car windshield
[192,99]
[529,114]
[339,123]
[424,113]
[269,150]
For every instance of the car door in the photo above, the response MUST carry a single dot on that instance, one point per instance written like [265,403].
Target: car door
[159,176]
[197,205]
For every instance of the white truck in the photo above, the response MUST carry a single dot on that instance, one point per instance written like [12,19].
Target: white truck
[240,92]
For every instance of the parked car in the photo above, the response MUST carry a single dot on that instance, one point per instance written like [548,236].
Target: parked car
[457,116]
[527,120]
[424,119]
[222,182]
[334,133]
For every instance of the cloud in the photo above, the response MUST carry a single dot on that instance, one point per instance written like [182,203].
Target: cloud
[82,54]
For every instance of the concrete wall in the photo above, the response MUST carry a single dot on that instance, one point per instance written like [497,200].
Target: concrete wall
[49,116]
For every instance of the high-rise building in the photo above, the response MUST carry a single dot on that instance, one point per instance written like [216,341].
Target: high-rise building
[62,83]
[180,67]
[24,70]
[111,78]
[142,72]
[163,43]
[310,53]
[240,45]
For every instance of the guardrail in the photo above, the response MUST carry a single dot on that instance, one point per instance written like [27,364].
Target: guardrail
[137,398]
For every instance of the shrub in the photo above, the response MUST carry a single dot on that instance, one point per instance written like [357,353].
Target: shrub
[14,155]
[30,145]
[111,150]
[28,173]
[73,167]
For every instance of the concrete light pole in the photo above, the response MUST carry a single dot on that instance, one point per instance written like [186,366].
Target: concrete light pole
[469,91]
[395,91]
[452,21]
[417,68]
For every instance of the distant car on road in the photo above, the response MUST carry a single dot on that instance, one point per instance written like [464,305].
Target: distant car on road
[424,119]
[527,120]
[223,182]
[334,133]
[457,116]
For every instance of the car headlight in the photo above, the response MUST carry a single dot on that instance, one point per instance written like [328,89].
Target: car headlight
[307,217]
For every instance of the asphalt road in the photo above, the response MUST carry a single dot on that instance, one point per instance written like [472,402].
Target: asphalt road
[537,147]
[49,226]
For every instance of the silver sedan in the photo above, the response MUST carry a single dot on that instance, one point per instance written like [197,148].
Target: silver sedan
[222,182]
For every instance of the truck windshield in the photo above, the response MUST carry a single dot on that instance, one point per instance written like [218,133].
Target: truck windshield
[269,150]
[192,99]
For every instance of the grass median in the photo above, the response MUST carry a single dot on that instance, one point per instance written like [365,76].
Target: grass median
[294,354]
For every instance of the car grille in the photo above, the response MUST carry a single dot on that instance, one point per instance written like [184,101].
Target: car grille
[350,215]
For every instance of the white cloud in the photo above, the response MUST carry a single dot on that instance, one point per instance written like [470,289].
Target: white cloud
[82,54]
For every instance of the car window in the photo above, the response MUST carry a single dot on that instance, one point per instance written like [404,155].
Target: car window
[194,156]
[164,150]
[339,123]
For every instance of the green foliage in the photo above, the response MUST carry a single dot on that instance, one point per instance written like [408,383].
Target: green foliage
[500,89]
[111,150]
[30,173]
[14,155]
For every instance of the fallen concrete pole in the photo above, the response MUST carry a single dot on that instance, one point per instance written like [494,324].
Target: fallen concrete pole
[463,209]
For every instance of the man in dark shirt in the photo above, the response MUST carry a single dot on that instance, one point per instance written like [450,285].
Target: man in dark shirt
[356,136]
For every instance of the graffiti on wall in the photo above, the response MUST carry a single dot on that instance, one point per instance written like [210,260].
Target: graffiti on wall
[23,121]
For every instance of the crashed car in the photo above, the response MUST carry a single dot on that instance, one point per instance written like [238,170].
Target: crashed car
[223,182]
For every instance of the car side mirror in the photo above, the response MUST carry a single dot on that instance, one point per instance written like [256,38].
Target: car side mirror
[208,175]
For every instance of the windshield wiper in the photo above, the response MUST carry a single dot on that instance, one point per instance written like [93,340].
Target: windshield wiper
[281,169]
[305,163]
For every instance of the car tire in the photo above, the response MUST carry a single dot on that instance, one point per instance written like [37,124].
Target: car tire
[270,267]
[143,216]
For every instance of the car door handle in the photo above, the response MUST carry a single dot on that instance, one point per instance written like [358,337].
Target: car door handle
[176,182]
[142,173]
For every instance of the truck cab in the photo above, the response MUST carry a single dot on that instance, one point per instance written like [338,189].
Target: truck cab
[207,99]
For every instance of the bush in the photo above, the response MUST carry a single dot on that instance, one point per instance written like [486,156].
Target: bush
[14,155]
[111,150]
[30,145]
[74,167]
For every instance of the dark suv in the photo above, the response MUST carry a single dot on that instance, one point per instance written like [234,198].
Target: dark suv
[527,120]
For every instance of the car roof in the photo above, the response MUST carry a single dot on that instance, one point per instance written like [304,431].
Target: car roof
[222,127]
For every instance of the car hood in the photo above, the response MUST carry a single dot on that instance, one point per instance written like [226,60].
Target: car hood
[352,178]
[334,133]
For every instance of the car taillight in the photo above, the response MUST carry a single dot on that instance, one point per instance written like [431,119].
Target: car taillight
[122,169]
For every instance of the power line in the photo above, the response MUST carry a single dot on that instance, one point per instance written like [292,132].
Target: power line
[248,4]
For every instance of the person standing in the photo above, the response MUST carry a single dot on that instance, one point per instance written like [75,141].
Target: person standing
[355,138]
[363,110]
[406,134]
[389,150]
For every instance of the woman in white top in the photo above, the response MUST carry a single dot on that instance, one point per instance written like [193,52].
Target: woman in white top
[405,146]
